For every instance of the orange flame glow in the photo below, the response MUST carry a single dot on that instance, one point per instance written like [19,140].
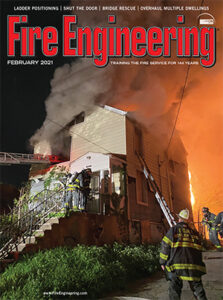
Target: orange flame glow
[192,199]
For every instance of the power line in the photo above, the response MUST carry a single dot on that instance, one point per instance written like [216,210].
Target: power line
[182,95]
[179,107]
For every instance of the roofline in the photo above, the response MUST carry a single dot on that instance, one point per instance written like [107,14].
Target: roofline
[115,110]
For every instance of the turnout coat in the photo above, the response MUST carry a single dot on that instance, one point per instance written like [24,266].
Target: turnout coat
[209,221]
[181,252]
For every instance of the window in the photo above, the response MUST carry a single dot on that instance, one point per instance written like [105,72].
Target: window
[145,190]
[142,188]
[79,118]
[76,120]
[118,184]
[95,184]
[132,190]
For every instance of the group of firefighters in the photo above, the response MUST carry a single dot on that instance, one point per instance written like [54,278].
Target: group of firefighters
[181,253]
[77,190]
[181,247]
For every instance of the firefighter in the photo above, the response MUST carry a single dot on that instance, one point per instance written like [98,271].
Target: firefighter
[68,194]
[78,190]
[181,258]
[84,181]
[219,223]
[72,193]
[209,220]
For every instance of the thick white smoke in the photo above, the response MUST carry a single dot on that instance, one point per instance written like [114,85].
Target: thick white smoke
[74,88]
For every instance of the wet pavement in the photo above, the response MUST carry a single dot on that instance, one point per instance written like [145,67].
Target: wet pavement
[155,287]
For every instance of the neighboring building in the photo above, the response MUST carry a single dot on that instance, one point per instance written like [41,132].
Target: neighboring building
[106,140]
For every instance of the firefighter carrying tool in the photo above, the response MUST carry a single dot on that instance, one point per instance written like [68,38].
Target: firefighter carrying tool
[209,220]
[181,258]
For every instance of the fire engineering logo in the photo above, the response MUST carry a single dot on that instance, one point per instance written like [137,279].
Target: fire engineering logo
[101,43]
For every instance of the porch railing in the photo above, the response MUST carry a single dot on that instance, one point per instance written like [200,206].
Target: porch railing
[22,228]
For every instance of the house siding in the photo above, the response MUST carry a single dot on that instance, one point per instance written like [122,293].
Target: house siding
[153,156]
[102,131]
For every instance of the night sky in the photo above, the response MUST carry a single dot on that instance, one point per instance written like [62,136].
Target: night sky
[24,89]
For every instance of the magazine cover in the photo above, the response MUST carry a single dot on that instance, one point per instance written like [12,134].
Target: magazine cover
[111,149]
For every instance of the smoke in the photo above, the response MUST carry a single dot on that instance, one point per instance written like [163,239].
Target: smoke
[188,88]
[78,87]
[74,88]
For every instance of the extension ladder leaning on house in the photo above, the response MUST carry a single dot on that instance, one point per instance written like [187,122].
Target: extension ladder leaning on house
[159,197]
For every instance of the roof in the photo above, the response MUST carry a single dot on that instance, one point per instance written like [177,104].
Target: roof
[115,110]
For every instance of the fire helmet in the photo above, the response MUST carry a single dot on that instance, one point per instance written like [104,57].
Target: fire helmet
[88,171]
[184,214]
[205,209]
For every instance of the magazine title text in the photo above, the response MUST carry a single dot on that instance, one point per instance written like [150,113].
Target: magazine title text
[101,43]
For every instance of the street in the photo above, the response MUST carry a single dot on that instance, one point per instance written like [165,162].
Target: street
[155,287]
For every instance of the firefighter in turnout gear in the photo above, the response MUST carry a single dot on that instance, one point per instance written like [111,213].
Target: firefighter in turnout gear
[77,190]
[72,193]
[68,195]
[209,220]
[84,181]
[181,258]
[219,222]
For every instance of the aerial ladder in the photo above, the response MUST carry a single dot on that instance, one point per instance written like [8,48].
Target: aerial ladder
[158,195]
[7,158]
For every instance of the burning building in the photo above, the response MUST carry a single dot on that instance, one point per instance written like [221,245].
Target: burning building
[107,140]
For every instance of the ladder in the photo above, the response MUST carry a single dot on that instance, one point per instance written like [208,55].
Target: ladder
[159,197]
[7,158]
